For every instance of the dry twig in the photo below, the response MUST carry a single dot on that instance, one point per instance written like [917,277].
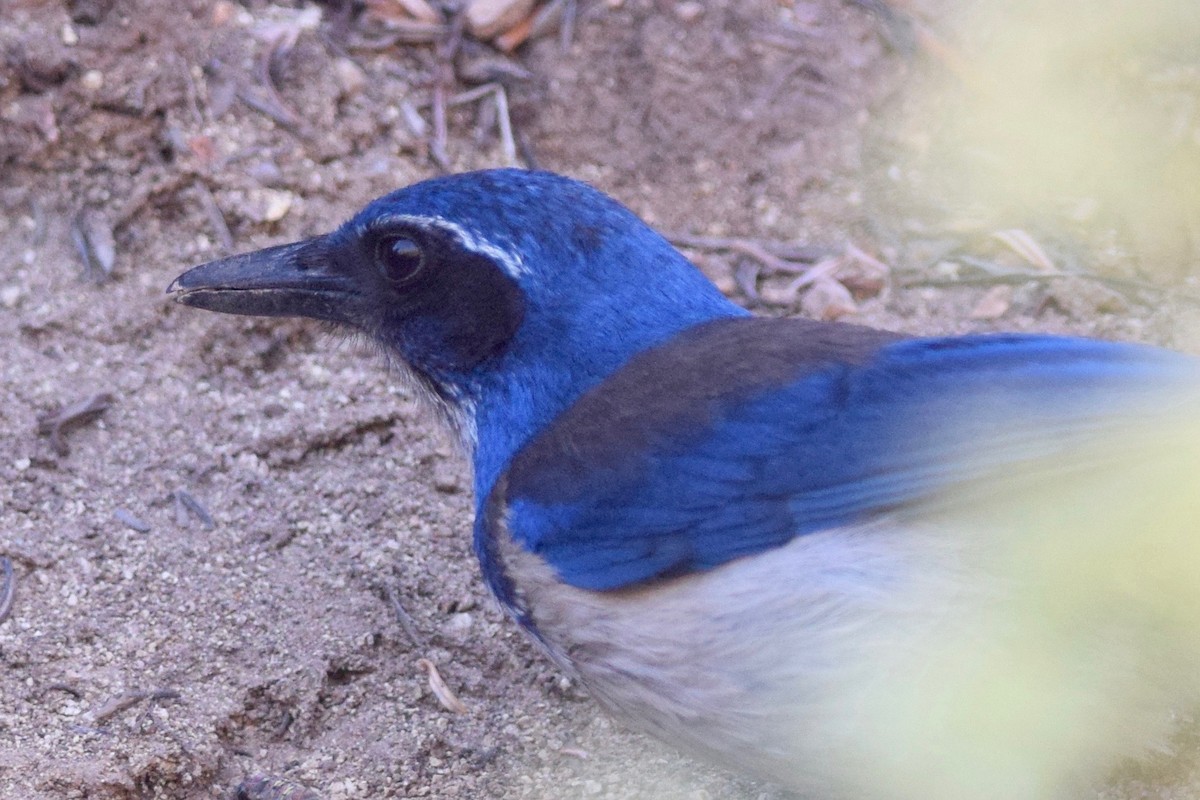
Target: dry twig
[443,79]
[575,752]
[186,504]
[994,274]
[508,138]
[775,256]
[504,120]
[745,275]
[440,690]
[406,620]
[566,30]
[215,218]
[131,520]
[128,700]
[8,589]
[56,424]
[408,32]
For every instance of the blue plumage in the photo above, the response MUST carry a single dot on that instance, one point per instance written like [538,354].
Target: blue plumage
[734,530]
[748,453]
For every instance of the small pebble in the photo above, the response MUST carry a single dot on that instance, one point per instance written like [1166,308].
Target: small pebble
[946,270]
[92,80]
[10,296]
[445,478]
[69,36]
[222,12]
[273,410]
[266,172]
[458,625]
[278,205]
[689,11]
[350,78]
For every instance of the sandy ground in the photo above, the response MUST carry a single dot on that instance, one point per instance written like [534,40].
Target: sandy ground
[152,652]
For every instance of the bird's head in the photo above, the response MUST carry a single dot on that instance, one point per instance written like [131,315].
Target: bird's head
[505,293]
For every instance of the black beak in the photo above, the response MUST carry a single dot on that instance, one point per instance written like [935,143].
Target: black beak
[292,280]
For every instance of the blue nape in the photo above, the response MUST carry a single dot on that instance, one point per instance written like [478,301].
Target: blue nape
[738,467]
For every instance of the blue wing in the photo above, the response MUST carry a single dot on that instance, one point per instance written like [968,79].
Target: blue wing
[742,434]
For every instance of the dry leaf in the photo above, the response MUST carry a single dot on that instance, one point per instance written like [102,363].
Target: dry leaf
[391,11]
[994,303]
[487,18]
[1024,245]
[827,300]
[93,236]
[515,36]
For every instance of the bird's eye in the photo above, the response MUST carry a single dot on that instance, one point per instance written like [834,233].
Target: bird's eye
[399,258]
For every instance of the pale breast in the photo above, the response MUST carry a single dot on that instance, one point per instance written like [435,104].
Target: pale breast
[865,663]
[751,664]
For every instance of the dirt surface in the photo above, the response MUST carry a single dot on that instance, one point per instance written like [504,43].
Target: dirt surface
[172,645]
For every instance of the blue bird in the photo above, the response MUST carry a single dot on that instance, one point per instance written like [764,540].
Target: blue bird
[856,563]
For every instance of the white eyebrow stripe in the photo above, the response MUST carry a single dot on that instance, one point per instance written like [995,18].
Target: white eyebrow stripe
[509,260]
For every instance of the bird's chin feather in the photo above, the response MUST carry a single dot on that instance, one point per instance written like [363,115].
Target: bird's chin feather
[456,412]
[439,401]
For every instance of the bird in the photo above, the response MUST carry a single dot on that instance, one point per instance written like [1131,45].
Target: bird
[852,562]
